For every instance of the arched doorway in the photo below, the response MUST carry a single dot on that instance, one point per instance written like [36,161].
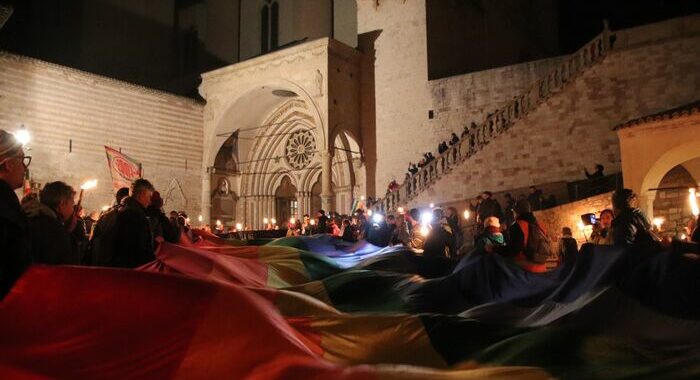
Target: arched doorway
[653,146]
[671,201]
[286,202]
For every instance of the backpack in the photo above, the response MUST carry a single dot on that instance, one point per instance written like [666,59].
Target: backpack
[538,247]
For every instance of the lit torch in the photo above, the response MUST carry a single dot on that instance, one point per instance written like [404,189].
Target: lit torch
[693,202]
[91,184]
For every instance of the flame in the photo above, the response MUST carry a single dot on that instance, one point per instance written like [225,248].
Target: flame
[466,214]
[693,202]
[91,184]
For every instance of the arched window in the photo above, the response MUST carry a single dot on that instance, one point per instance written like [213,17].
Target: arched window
[269,26]
[265,29]
[274,25]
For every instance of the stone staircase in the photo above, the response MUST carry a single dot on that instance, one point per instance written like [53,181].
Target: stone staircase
[499,121]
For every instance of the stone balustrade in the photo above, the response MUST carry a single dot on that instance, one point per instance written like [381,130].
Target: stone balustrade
[498,122]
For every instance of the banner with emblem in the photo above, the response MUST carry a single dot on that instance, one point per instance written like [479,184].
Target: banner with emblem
[124,169]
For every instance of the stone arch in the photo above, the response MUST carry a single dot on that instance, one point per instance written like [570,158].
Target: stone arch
[651,146]
[253,105]
[664,164]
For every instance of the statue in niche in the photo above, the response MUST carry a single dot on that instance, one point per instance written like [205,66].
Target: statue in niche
[223,201]
[224,188]
[319,82]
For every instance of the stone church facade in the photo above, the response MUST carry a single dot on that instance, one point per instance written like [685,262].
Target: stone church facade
[321,124]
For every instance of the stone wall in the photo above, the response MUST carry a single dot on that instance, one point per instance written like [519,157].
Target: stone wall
[459,100]
[573,128]
[672,203]
[569,215]
[402,97]
[72,115]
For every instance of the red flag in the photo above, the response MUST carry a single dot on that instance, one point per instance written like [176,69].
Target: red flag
[124,169]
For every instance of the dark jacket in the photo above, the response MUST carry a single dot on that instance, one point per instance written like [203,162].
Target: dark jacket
[14,239]
[489,207]
[162,226]
[631,226]
[51,242]
[322,224]
[349,233]
[440,241]
[535,200]
[568,249]
[133,243]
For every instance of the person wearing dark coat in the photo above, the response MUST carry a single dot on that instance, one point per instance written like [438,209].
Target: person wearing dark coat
[133,238]
[454,139]
[535,198]
[441,240]
[322,226]
[52,220]
[598,173]
[568,248]
[630,226]
[161,224]
[488,207]
[14,231]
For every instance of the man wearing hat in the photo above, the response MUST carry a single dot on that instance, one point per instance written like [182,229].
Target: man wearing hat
[14,256]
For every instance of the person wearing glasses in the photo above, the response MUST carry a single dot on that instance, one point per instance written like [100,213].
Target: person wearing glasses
[14,237]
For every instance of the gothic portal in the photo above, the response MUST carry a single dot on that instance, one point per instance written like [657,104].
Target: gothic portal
[281,135]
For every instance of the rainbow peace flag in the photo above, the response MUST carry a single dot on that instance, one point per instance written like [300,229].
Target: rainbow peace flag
[318,308]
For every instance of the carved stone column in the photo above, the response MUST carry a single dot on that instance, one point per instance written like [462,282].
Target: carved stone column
[326,178]
[206,197]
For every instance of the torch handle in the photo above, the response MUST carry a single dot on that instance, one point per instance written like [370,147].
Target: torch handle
[80,197]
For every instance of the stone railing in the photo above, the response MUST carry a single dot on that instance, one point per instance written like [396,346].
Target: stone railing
[499,121]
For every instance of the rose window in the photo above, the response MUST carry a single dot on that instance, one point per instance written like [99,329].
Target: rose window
[300,149]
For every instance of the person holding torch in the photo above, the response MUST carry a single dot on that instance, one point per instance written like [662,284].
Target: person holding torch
[52,220]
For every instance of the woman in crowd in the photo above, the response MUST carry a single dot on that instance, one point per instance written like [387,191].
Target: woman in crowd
[602,234]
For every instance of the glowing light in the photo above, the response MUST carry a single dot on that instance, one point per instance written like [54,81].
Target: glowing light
[273,221]
[466,214]
[105,208]
[424,230]
[239,226]
[658,222]
[218,223]
[266,221]
[23,136]
[362,198]
[369,212]
[426,217]
[581,226]
[377,218]
[432,205]
[683,237]
[693,202]
[401,210]
[200,218]
[292,221]
[91,184]
[187,221]
[312,222]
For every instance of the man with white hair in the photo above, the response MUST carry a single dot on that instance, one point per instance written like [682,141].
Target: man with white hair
[14,255]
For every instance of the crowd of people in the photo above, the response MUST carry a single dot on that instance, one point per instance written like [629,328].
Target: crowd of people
[50,228]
